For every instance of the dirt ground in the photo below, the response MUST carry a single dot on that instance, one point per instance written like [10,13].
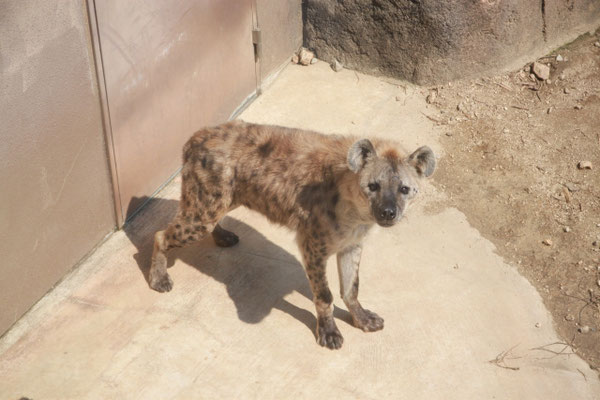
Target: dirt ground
[513,147]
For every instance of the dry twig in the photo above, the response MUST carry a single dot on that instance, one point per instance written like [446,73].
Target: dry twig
[504,86]
[594,301]
[556,353]
[482,102]
[433,119]
[500,359]
[520,108]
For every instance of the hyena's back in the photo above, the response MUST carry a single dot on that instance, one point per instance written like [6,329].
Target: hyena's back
[265,168]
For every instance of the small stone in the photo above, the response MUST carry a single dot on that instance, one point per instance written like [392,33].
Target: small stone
[295,58]
[584,329]
[549,81]
[537,324]
[305,56]
[559,58]
[337,66]
[448,133]
[597,44]
[566,90]
[314,60]
[572,187]
[547,242]
[569,317]
[566,229]
[578,107]
[562,76]
[595,243]
[598,225]
[540,70]
[431,97]
[506,130]
[549,110]
[398,98]
[584,165]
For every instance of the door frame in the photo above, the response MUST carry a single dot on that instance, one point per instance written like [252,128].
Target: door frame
[103,99]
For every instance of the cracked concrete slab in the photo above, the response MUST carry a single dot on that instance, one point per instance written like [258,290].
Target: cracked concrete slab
[240,322]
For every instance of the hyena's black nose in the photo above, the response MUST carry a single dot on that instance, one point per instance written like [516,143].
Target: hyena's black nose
[388,213]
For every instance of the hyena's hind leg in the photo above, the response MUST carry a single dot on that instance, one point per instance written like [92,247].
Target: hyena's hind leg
[203,203]
[223,237]
[199,212]
[190,225]
[183,230]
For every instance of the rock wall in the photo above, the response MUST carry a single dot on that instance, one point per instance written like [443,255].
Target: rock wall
[433,41]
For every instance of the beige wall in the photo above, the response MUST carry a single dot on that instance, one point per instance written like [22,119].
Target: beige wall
[55,197]
[281,24]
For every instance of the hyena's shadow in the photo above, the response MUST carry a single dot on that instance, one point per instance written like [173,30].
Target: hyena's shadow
[257,273]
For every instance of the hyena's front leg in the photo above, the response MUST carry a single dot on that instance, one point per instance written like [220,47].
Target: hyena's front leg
[348,261]
[328,334]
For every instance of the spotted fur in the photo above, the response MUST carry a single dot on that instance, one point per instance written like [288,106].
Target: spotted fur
[329,189]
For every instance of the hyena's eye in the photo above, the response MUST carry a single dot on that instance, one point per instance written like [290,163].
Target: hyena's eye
[404,189]
[373,187]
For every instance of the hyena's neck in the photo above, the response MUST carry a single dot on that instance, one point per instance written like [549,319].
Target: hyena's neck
[353,208]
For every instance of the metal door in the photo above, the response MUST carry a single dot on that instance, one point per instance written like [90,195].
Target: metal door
[169,68]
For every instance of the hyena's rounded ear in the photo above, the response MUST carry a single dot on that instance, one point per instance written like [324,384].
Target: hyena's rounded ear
[423,161]
[360,153]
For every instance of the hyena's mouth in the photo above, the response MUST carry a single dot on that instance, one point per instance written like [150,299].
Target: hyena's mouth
[387,223]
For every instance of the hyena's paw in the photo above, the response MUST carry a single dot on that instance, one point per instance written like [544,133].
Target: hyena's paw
[225,238]
[162,283]
[329,336]
[368,321]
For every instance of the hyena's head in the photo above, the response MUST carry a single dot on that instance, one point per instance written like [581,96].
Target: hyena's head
[388,181]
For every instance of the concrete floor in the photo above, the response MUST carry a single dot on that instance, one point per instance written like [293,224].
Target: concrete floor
[239,322]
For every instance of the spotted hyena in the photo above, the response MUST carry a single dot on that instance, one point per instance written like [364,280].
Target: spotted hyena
[329,189]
